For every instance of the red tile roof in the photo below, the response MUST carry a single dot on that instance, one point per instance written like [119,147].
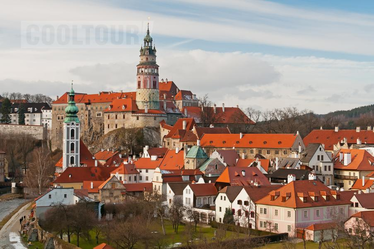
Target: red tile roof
[236,176]
[172,160]
[81,174]
[229,156]
[360,160]
[147,163]
[248,140]
[366,200]
[159,152]
[138,187]
[102,97]
[122,105]
[329,137]
[95,187]
[125,169]
[321,226]
[165,125]
[200,131]
[231,115]
[184,95]
[265,163]
[358,184]
[367,216]
[166,86]
[257,193]
[292,195]
[205,189]
[174,132]
[105,155]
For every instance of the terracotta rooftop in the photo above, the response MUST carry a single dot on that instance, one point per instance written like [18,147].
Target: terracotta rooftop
[86,158]
[302,194]
[138,187]
[366,200]
[147,163]
[122,105]
[105,154]
[159,152]
[367,216]
[125,169]
[103,246]
[200,131]
[173,160]
[102,97]
[322,226]
[358,184]
[205,189]
[248,140]
[230,157]
[330,137]
[179,126]
[95,186]
[265,163]
[184,95]
[237,176]
[81,174]
[360,160]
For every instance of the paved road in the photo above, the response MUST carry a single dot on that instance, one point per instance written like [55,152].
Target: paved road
[9,235]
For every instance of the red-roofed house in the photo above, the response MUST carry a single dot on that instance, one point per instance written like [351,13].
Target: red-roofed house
[300,204]
[249,145]
[317,232]
[361,201]
[238,176]
[361,224]
[103,246]
[335,139]
[138,189]
[185,98]
[103,156]
[199,195]
[350,165]
[147,167]
[93,188]
[126,173]
[363,184]
[111,191]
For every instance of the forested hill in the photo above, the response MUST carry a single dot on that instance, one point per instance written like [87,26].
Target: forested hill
[354,113]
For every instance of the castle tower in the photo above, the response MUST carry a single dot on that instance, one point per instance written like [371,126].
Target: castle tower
[147,93]
[71,134]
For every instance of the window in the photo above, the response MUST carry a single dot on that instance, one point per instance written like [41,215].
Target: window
[233,211]
[261,224]
[305,214]
[140,178]
[224,198]
[317,213]
[276,226]
[246,214]
[65,195]
[268,152]
[329,168]
[265,210]
[239,212]
[318,157]
[288,213]
[221,197]
[137,118]
[239,202]
[259,151]
[134,178]
[261,210]
[251,151]
[325,168]
[252,214]
[99,114]
[322,158]
[289,228]
[50,196]
[356,204]
[146,178]
[129,178]
[246,203]
[146,171]
[276,152]
[276,212]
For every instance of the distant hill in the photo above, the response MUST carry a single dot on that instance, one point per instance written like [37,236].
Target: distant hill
[354,113]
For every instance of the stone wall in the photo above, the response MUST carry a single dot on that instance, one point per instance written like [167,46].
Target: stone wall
[37,131]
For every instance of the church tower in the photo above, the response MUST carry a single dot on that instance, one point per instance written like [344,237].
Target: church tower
[71,134]
[147,93]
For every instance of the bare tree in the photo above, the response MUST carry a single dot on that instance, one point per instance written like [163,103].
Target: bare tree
[176,214]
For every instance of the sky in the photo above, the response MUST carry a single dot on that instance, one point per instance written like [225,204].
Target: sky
[315,55]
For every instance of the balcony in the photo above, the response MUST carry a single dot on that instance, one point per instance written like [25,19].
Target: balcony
[344,177]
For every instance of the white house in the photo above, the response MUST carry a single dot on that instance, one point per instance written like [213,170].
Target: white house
[174,191]
[47,118]
[32,111]
[224,200]
[199,195]
[59,196]
[361,202]
[147,167]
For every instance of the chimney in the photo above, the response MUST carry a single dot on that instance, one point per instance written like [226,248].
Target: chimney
[358,140]
[243,155]
[347,158]
[241,135]
[214,108]
[341,156]
[336,128]
[297,133]
[358,129]
[153,157]
[321,128]
[369,128]
[276,163]
[299,148]
[165,104]
[57,97]
[291,178]
[223,107]
[102,150]
[312,177]
[184,124]
[185,112]
[91,185]
[237,106]
[363,181]
[146,108]
[176,150]
[95,163]
[185,150]
[164,95]
[198,143]
[120,155]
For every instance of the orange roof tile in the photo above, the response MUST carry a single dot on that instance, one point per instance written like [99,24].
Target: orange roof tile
[329,137]
[105,154]
[102,97]
[95,187]
[322,226]
[86,158]
[165,125]
[248,140]
[125,169]
[147,163]
[184,95]
[103,246]
[231,115]
[172,160]
[122,105]
[289,195]
[358,184]
[138,187]
[81,174]
[237,176]
[360,160]
[174,132]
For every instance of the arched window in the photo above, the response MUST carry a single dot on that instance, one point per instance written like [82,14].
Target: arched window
[72,160]
[72,133]
[72,147]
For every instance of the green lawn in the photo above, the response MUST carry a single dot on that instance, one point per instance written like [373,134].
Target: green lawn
[300,245]
[84,243]
[34,245]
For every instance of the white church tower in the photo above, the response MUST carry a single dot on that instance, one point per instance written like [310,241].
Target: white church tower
[71,136]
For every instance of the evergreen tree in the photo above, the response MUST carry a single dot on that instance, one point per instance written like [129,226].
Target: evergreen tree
[5,111]
[229,217]
[21,114]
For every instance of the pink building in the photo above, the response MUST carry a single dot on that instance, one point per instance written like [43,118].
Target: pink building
[300,204]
